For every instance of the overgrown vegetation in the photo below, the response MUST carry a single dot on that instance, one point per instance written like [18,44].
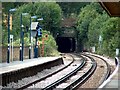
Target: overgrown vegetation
[51,14]
[94,22]
[50,47]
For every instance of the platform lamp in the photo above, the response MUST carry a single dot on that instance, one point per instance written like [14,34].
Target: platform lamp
[22,36]
[32,17]
[8,51]
[36,46]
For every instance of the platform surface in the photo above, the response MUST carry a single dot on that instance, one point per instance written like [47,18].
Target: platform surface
[17,65]
[115,81]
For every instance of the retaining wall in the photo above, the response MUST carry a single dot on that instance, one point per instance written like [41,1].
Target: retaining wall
[16,53]
[14,76]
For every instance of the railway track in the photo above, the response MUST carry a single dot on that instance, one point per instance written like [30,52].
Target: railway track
[58,78]
[78,75]
[108,68]
[81,75]
[72,76]
[43,78]
[66,77]
[101,73]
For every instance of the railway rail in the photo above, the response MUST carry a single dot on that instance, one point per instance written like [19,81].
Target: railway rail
[81,75]
[82,72]
[66,77]
[43,78]
[101,73]
[61,76]
[74,75]
[108,68]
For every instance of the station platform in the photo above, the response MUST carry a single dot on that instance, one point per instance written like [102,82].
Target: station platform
[17,65]
[16,70]
[114,81]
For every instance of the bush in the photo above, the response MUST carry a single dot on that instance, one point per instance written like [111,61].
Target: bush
[50,47]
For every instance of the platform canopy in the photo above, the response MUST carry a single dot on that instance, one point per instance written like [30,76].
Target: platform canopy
[111,6]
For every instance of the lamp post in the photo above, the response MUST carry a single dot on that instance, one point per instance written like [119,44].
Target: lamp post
[36,46]
[32,17]
[36,25]
[22,37]
[8,51]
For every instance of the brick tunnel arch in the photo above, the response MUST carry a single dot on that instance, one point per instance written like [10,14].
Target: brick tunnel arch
[66,44]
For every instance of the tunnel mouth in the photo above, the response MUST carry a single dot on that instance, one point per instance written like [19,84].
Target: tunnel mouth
[65,44]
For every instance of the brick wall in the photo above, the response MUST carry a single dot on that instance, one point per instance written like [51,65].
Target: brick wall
[16,53]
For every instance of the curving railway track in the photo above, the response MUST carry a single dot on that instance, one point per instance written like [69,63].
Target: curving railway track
[71,60]
[80,73]
[61,76]
[101,73]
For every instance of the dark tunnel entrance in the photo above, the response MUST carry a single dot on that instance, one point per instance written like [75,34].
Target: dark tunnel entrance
[66,44]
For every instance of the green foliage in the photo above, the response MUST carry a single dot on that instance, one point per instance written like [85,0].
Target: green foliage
[95,28]
[70,8]
[9,5]
[85,17]
[92,22]
[50,12]
[50,48]
[16,22]
[6,6]
[111,36]
[110,28]
[4,37]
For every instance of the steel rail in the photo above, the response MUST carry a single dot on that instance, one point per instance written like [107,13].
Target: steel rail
[83,78]
[53,85]
[108,68]
[43,78]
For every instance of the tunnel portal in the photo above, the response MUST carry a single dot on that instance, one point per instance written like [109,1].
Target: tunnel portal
[66,44]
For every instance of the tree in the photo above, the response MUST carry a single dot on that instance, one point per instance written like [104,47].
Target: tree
[9,5]
[50,12]
[6,6]
[85,17]
[94,28]
[111,36]
[69,8]
[50,46]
